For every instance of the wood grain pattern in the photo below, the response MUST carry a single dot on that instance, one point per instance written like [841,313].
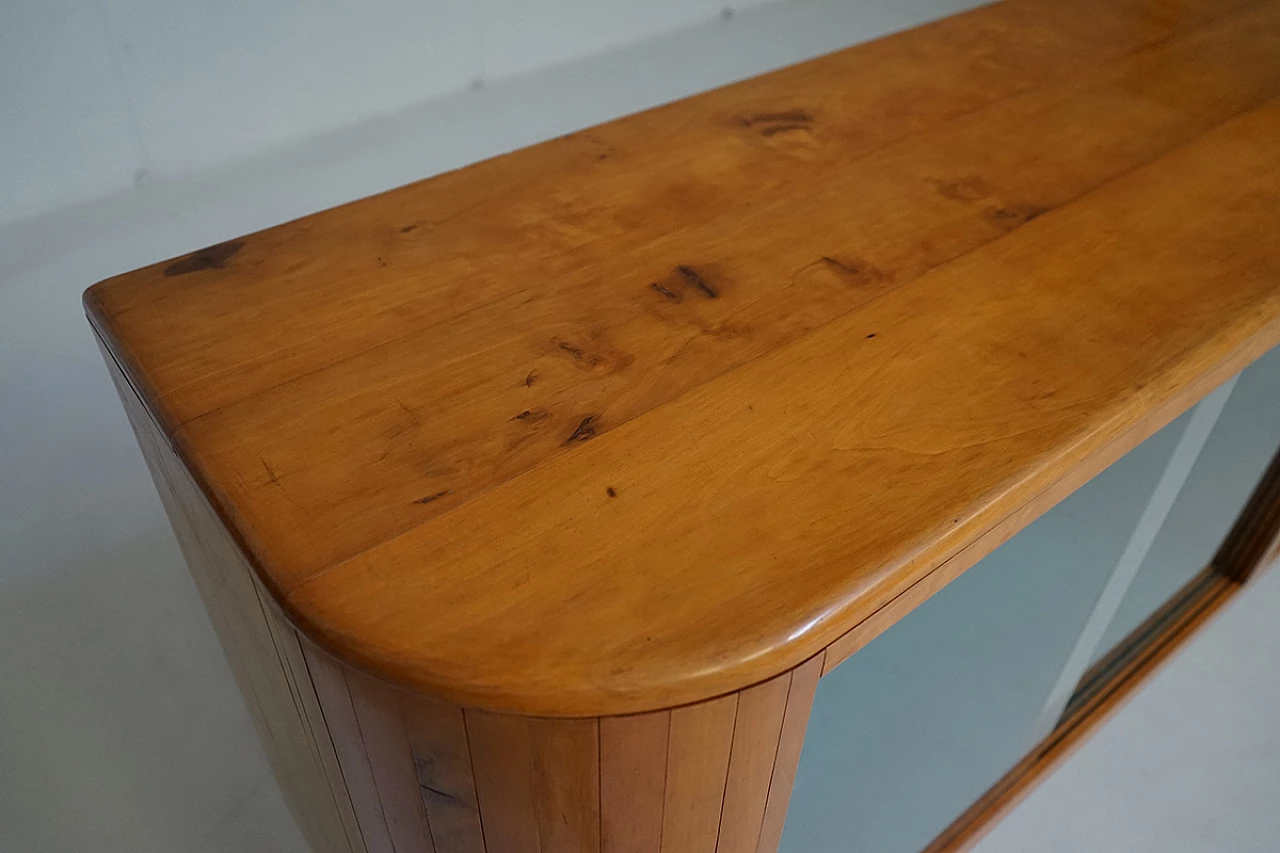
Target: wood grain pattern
[651,359]
[386,744]
[703,778]
[536,210]
[262,652]
[867,478]
[442,757]
[502,757]
[408,456]
[800,696]
[330,680]
[369,768]
[877,623]
[531,501]
[421,455]
[289,646]
[698,750]
[756,734]
[633,777]
[566,768]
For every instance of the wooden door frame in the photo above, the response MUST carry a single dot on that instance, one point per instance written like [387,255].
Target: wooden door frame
[1252,544]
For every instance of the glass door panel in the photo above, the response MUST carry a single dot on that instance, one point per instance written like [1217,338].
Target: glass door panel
[912,729]
[1238,450]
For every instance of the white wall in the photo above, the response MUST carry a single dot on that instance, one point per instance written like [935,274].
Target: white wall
[1190,765]
[99,94]
[120,727]
[121,730]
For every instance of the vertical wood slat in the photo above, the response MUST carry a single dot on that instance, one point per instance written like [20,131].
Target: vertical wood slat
[755,745]
[442,758]
[370,769]
[330,682]
[633,771]
[697,767]
[289,646]
[714,777]
[272,680]
[800,695]
[503,760]
[386,743]
[566,769]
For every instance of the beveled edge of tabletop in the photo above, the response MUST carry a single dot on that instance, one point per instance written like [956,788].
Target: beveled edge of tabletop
[921,573]
[895,593]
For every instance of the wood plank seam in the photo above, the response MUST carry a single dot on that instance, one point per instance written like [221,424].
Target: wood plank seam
[833,319]
[733,736]
[777,746]
[391,698]
[1143,101]
[471,764]
[341,770]
[761,709]
[337,465]
[795,720]
[1230,365]
[421,801]
[1091,68]
[926,585]
[666,778]
[466,727]
[308,730]
[600,784]
[336,701]
[227,584]
[364,750]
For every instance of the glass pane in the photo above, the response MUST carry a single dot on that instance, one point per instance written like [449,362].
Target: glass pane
[1237,452]
[908,732]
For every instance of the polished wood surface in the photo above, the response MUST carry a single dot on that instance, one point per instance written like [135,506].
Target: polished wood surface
[657,411]
[704,778]
[302,742]
[633,781]
[369,768]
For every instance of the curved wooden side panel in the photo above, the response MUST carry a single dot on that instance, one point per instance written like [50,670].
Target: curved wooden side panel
[369,768]
[714,777]
[263,650]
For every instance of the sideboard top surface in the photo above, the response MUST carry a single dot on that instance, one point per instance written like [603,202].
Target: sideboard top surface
[656,410]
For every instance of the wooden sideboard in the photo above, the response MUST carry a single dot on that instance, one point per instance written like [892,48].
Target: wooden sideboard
[531,502]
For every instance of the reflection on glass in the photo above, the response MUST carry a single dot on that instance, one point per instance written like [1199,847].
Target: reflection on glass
[912,729]
[1238,450]
[908,732]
